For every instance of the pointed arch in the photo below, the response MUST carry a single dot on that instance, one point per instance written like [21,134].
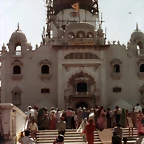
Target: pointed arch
[139,45]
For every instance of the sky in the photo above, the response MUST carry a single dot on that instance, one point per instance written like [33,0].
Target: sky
[31,15]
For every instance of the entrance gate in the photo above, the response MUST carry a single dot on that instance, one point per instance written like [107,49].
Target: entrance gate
[82,104]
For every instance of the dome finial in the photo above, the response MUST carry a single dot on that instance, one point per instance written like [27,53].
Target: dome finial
[136,26]
[18,27]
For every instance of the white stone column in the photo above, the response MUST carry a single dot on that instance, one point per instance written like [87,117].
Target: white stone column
[103,97]
[61,101]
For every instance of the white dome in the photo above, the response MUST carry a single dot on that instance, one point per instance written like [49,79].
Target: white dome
[45,103]
[18,36]
[122,104]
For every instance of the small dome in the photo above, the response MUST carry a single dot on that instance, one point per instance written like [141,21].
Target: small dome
[100,30]
[18,36]
[137,33]
[121,104]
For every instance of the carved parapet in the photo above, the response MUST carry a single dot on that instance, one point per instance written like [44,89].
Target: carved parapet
[141,75]
[17,76]
[116,76]
[45,76]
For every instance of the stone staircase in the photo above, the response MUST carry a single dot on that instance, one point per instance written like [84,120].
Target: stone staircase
[71,136]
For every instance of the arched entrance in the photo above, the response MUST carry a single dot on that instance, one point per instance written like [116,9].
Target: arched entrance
[82,104]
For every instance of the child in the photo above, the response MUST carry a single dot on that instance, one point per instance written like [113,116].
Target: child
[130,124]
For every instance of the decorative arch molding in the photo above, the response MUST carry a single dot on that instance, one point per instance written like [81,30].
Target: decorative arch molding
[88,102]
[115,61]
[90,35]
[82,33]
[80,55]
[17,62]
[139,44]
[45,62]
[81,74]
[16,89]
[71,35]
[141,61]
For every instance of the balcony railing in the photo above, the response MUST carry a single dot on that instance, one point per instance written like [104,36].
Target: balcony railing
[17,76]
[115,75]
[45,76]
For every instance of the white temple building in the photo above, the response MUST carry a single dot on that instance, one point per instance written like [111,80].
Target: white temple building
[74,65]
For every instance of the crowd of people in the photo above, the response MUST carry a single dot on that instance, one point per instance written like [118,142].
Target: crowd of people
[86,121]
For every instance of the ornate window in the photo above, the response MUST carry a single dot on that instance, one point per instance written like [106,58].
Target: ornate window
[141,68]
[78,55]
[45,90]
[16,96]
[90,35]
[139,45]
[81,87]
[71,35]
[80,34]
[117,89]
[16,69]
[45,69]
[116,69]
[18,49]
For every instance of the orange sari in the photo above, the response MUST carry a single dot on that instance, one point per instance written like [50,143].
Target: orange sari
[89,132]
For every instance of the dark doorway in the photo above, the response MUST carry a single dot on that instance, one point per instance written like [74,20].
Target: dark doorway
[142,68]
[82,87]
[82,104]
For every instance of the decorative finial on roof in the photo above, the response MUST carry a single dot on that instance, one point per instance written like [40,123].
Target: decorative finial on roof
[136,26]
[18,27]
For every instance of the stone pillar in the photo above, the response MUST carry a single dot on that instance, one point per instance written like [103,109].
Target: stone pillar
[61,71]
[103,97]
[4,77]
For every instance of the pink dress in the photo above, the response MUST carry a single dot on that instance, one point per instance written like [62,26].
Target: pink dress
[139,123]
[101,120]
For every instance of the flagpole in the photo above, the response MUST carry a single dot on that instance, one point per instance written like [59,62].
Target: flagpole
[79,11]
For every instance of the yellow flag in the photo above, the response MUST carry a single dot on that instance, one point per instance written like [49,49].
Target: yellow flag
[76,6]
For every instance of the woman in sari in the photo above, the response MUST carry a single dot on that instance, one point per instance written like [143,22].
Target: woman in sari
[53,121]
[101,118]
[123,118]
[89,132]
[140,117]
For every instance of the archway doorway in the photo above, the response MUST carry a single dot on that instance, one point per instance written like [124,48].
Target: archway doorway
[82,104]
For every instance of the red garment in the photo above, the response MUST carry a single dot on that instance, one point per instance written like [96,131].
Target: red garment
[139,123]
[89,132]
[53,123]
